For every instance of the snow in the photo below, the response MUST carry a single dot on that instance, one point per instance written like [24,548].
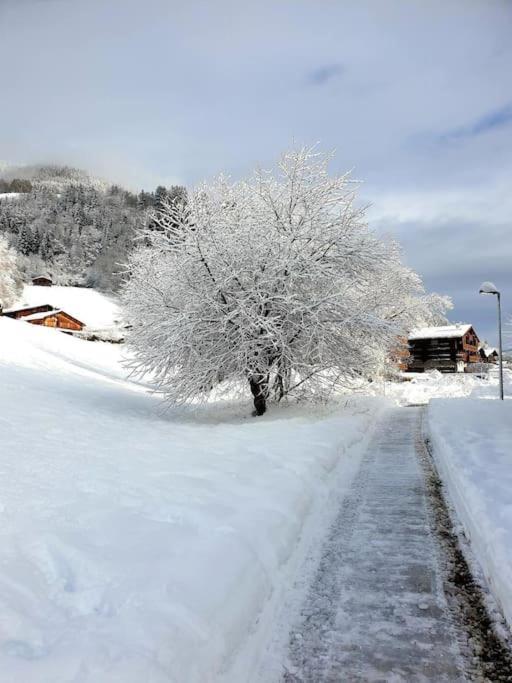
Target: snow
[471,440]
[136,544]
[443,332]
[9,195]
[94,309]
[420,388]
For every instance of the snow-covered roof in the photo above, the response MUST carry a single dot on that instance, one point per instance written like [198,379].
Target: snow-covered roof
[41,316]
[443,332]
[93,308]
[489,350]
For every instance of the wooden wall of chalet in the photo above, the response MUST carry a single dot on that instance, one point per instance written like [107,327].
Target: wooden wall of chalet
[42,281]
[470,344]
[445,354]
[60,320]
[51,321]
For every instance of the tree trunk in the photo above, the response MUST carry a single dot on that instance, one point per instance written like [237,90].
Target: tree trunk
[259,390]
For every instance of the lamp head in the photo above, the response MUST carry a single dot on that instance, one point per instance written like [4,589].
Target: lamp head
[488,288]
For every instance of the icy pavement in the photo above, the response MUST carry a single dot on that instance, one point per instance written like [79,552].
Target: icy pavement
[376,610]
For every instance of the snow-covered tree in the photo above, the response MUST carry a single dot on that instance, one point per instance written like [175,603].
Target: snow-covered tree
[24,241]
[11,284]
[276,279]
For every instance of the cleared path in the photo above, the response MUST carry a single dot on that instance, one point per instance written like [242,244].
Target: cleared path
[376,610]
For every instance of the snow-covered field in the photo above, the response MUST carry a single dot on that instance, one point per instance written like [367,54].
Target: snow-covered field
[472,446]
[138,545]
[94,309]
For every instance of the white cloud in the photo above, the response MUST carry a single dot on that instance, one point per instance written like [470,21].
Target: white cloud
[480,205]
[165,90]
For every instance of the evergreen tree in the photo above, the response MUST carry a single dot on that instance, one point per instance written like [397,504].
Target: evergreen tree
[11,284]
[46,250]
[35,241]
[24,242]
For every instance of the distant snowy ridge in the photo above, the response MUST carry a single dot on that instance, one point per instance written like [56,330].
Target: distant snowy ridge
[52,176]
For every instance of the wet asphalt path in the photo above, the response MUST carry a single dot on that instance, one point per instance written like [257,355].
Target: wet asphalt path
[375,610]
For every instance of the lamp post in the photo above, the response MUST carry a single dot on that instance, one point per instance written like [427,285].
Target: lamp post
[489,288]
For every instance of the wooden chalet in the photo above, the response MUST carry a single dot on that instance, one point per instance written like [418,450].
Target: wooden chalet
[42,281]
[450,348]
[29,310]
[488,354]
[48,316]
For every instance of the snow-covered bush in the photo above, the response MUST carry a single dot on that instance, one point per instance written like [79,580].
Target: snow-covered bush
[275,279]
[11,284]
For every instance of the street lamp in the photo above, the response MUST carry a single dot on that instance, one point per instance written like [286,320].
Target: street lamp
[489,288]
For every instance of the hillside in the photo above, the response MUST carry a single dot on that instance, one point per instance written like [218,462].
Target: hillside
[76,228]
[51,176]
[137,545]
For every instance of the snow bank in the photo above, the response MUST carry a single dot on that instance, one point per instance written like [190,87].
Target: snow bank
[490,389]
[93,308]
[41,348]
[135,545]
[420,388]
[472,441]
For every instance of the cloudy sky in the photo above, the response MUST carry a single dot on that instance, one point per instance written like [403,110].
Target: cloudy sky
[415,96]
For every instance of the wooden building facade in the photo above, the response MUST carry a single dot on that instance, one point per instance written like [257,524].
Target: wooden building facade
[42,281]
[55,318]
[450,348]
[48,316]
[28,310]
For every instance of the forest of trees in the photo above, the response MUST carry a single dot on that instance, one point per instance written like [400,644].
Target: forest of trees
[15,185]
[74,228]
